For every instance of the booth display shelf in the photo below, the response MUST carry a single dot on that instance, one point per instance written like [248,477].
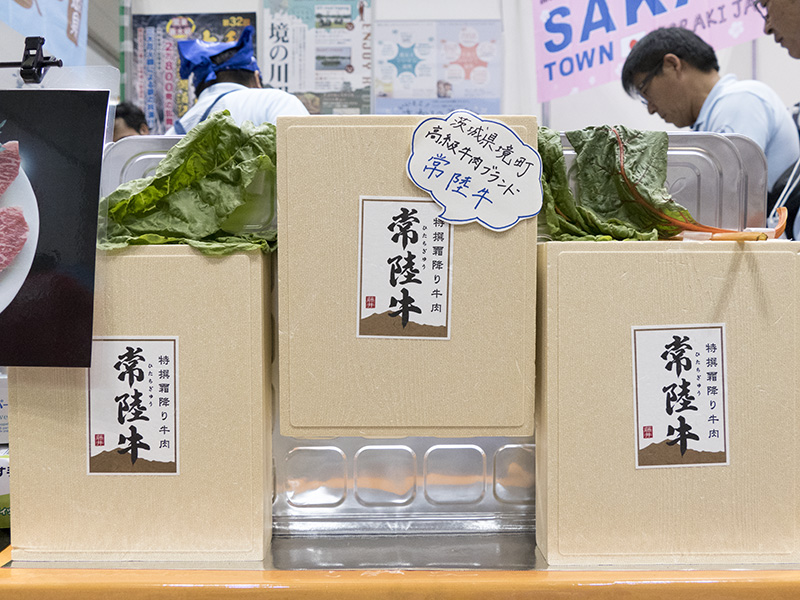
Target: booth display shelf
[562,461]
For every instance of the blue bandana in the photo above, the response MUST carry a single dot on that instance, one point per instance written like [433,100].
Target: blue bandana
[197,57]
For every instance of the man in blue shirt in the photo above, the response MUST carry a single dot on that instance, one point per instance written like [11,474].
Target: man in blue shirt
[226,76]
[676,74]
[782,21]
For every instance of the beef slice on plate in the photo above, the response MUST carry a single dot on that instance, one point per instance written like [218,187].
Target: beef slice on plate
[9,164]
[13,234]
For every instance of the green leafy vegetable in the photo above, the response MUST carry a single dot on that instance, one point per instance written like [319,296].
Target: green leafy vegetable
[620,176]
[195,188]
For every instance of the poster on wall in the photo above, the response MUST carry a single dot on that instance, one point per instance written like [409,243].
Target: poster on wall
[62,23]
[154,82]
[51,148]
[583,43]
[435,67]
[321,52]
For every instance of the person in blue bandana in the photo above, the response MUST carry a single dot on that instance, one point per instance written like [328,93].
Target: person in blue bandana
[226,76]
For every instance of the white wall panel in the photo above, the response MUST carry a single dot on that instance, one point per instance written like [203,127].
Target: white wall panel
[434,10]
[605,104]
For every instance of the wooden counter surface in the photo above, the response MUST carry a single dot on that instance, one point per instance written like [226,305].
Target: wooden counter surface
[105,584]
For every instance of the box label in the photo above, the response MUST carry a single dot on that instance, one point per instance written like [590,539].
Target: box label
[133,406]
[680,395]
[405,258]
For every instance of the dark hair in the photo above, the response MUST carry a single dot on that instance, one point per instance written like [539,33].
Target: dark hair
[648,53]
[242,76]
[131,114]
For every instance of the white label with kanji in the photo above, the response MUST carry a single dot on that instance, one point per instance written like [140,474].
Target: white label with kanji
[133,406]
[476,169]
[680,395]
[405,254]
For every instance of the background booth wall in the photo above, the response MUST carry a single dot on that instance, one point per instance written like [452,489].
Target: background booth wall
[605,104]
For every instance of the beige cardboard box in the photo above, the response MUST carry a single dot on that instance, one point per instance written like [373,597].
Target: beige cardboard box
[594,506]
[216,508]
[333,382]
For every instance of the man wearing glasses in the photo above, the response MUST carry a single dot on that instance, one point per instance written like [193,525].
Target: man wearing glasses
[676,74]
[782,21]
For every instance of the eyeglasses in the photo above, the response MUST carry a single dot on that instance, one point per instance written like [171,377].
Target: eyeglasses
[761,7]
[641,89]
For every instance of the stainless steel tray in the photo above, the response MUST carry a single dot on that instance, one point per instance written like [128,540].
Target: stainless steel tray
[721,179]
[133,157]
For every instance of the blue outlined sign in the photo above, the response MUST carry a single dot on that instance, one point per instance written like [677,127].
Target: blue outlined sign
[476,170]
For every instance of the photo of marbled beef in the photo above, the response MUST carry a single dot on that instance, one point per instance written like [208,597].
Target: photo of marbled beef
[13,227]
[9,164]
[13,234]
[51,148]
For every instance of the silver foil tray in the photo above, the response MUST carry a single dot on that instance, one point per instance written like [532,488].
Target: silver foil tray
[721,179]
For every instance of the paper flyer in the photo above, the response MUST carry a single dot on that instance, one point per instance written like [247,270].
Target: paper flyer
[154,81]
[434,67]
[321,52]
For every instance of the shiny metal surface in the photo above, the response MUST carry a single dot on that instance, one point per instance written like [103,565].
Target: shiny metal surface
[359,488]
[506,551]
[415,485]
[755,172]
[132,158]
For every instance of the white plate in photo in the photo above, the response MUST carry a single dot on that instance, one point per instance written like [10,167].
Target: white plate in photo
[20,193]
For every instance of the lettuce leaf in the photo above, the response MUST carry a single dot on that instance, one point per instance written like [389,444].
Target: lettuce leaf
[195,188]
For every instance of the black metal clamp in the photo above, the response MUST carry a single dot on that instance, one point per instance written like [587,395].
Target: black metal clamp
[34,63]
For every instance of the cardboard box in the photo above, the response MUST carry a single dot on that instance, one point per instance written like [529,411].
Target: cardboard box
[215,506]
[594,505]
[334,381]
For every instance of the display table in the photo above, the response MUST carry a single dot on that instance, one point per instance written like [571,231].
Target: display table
[105,584]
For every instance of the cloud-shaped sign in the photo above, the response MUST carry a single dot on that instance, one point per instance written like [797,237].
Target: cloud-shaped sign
[476,169]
